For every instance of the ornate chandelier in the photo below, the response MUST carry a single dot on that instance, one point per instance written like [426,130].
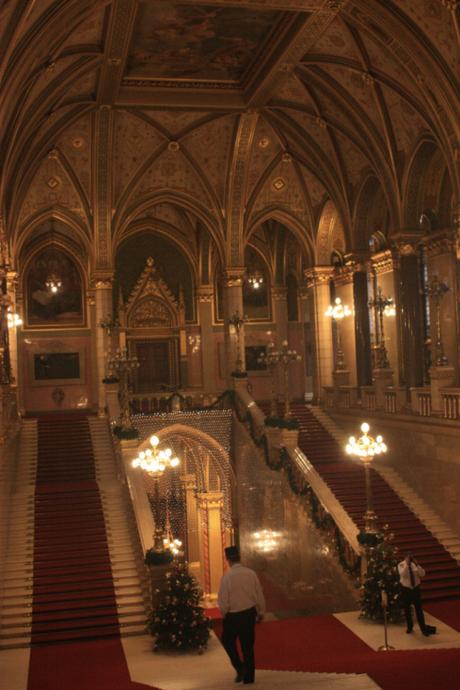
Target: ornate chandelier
[154,461]
[365,447]
[255,280]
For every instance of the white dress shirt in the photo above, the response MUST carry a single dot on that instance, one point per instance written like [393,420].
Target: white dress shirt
[240,590]
[404,575]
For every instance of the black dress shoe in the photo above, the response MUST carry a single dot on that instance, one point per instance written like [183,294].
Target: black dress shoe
[239,678]
[426,633]
[409,630]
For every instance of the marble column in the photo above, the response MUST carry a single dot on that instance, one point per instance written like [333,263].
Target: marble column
[193,542]
[410,314]
[343,281]
[205,295]
[442,262]
[280,319]
[103,307]
[233,304]
[11,285]
[383,267]
[318,280]
[211,504]
[304,324]
[363,355]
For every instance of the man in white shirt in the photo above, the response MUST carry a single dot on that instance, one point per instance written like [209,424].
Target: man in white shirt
[410,573]
[241,602]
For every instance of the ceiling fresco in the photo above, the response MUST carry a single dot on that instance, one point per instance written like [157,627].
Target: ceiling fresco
[175,41]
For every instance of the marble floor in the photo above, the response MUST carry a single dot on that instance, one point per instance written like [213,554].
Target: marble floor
[297,565]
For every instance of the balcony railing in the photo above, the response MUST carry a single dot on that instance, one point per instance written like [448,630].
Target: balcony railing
[395,400]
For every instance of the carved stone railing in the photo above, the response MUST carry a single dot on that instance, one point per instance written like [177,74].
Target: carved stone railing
[164,401]
[368,398]
[281,452]
[421,401]
[451,403]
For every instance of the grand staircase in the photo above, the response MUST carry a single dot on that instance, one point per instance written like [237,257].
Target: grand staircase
[74,570]
[345,478]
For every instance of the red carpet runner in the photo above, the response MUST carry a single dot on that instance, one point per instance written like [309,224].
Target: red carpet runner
[345,478]
[73,591]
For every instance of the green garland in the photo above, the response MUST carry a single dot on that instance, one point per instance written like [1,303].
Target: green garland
[125,432]
[153,557]
[323,520]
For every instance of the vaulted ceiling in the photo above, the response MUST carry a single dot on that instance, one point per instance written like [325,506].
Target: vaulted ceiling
[227,113]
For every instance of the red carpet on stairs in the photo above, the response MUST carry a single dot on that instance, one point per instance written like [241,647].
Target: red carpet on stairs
[73,590]
[345,478]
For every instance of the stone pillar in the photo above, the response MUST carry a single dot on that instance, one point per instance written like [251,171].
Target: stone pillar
[318,280]
[103,307]
[211,504]
[343,281]
[442,262]
[383,267]
[193,541]
[363,356]
[233,304]
[11,284]
[440,377]
[409,317]
[280,319]
[304,324]
[205,294]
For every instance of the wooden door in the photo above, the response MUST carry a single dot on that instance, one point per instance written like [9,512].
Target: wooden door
[156,365]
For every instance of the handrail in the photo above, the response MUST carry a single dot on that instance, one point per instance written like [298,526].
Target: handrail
[341,518]
[300,465]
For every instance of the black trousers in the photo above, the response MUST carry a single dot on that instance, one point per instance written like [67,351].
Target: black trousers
[413,596]
[241,626]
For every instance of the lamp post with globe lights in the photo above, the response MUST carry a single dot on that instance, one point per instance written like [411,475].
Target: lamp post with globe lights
[365,448]
[270,359]
[285,356]
[383,306]
[122,364]
[338,312]
[155,462]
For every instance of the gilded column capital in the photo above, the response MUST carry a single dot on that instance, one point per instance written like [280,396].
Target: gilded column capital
[188,481]
[205,293]
[211,499]
[406,243]
[383,262]
[279,293]
[102,282]
[234,275]
[442,242]
[344,274]
[318,275]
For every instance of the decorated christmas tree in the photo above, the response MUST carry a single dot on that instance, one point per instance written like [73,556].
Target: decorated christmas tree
[179,621]
[382,575]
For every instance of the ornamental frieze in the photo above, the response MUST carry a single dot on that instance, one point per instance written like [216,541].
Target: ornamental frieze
[383,262]
[319,275]
[150,313]
[440,243]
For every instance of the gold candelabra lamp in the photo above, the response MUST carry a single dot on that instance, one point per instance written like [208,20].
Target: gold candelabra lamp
[383,306]
[155,462]
[122,365]
[237,322]
[110,325]
[365,448]
[270,359]
[338,312]
[436,290]
[285,356]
